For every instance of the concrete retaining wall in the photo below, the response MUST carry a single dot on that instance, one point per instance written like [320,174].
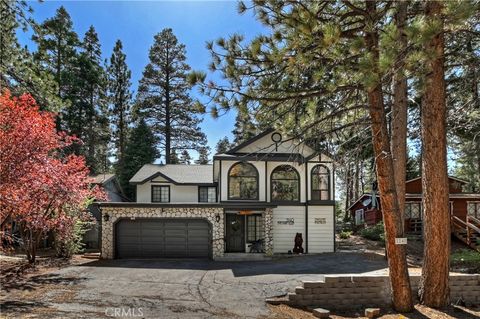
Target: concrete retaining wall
[347,292]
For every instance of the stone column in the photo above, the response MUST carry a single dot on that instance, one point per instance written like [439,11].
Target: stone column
[107,235]
[268,228]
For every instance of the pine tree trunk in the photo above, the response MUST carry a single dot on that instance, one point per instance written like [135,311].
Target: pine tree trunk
[397,262]
[167,112]
[121,133]
[347,194]
[399,114]
[434,289]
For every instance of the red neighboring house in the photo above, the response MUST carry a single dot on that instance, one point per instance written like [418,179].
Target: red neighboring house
[367,212]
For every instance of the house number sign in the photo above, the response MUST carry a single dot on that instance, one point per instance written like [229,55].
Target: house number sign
[320,220]
[287,221]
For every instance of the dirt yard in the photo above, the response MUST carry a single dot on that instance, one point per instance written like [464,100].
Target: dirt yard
[414,252]
[421,312]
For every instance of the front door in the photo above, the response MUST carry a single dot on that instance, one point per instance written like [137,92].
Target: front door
[235,233]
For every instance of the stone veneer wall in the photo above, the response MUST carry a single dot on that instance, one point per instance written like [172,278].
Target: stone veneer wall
[349,292]
[268,229]
[208,213]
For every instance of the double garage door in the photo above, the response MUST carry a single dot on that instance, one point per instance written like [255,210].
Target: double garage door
[162,238]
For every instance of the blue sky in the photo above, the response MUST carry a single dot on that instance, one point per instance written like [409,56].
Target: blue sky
[136,22]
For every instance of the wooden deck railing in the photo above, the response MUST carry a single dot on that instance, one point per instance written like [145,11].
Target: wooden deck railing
[467,230]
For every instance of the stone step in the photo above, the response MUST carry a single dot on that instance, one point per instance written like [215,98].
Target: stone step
[283,300]
[91,255]
[228,257]
[321,313]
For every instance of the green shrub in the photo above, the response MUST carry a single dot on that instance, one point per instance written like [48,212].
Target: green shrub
[72,244]
[466,256]
[345,234]
[376,232]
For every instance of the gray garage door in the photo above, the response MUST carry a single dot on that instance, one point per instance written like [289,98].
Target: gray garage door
[157,238]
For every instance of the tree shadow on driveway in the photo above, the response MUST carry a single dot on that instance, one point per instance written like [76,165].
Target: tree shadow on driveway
[34,282]
[327,263]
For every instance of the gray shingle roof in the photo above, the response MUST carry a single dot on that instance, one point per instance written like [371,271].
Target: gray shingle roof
[102,178]
[177,173]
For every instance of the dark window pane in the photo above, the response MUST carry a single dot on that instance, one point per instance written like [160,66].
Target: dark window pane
[254,228]
[160,194]
[320,183]
[208,194]
[285,184]
[243,182]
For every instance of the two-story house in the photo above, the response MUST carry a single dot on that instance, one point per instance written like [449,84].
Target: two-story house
[254,198]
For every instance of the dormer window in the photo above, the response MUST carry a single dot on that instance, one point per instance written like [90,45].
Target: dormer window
[160,194]
[320,183]
[285,184]
[243,182]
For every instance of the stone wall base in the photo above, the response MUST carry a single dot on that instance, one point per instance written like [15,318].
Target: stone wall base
[350,292]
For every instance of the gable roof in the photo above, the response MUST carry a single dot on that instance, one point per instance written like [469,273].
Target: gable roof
[102,179]
[361,198]
[259,145]
[449,177]
[280,157]
[175,173]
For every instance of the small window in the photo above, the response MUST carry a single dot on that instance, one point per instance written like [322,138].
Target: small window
[254,228]
[285,185]
[320,183]
[359,217]
[473,209]
[207,194]
[160,194]
[413,210]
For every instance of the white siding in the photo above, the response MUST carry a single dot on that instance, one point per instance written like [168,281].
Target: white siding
[320,236]
[144,193]
[178,193]
[284,235]
[266,145]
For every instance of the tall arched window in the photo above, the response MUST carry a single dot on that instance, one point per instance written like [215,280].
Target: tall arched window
[320,183]
[242,181]
[285,184]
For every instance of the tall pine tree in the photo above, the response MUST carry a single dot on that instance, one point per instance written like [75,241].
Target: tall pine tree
[19,72]
[57,45]
[163,97]
[244,128]
[139,150]
[223,145]
[118,77]
[93,97]
[203,154]
[185,158]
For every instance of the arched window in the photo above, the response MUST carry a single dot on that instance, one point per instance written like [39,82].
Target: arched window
[285,184]
[320,183]
[242,181]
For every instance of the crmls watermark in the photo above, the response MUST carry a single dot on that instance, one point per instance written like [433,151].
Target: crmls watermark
[124,312]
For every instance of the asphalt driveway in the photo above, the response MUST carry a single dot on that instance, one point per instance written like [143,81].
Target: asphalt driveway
[173,288]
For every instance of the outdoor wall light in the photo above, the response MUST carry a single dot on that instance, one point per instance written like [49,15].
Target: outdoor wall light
[217,218]
[106,217]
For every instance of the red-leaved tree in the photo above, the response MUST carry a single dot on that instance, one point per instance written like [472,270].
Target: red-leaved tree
[41,188]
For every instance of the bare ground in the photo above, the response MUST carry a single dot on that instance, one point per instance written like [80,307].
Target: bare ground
[421,312]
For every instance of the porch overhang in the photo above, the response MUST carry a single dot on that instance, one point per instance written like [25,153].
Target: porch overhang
[226,205]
